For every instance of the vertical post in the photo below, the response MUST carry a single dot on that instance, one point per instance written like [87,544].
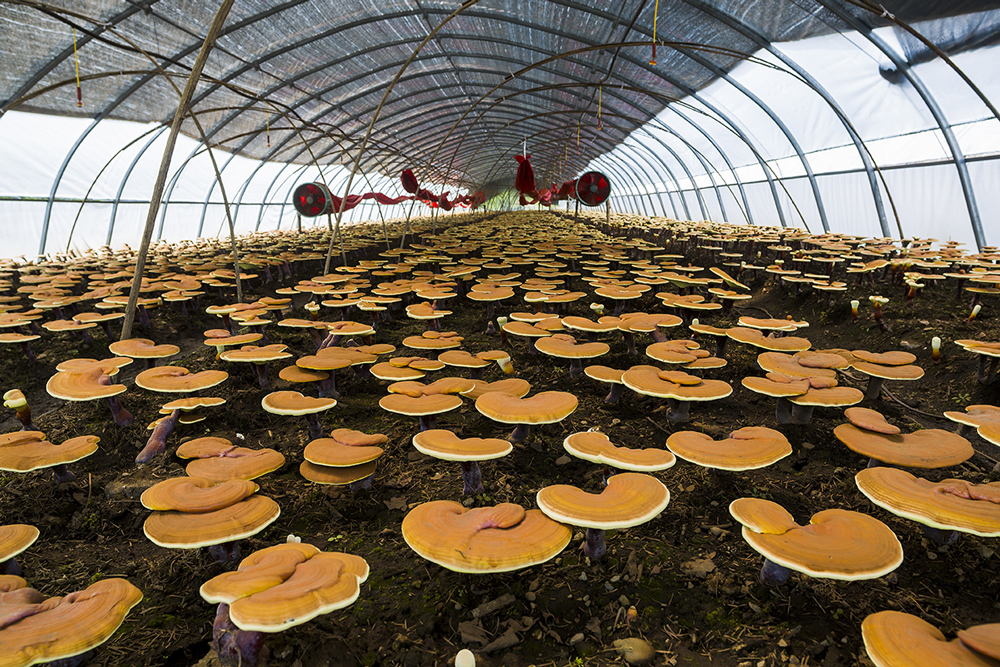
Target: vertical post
[168,151]
[607,212]
[298,222]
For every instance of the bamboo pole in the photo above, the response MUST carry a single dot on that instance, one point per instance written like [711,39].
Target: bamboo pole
[168,151]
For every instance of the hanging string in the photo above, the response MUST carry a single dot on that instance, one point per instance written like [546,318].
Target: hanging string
[656,9]
[600,98]
[268,121]
[578,135]
[76,60]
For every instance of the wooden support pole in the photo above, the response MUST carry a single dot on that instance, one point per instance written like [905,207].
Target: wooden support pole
[168,151]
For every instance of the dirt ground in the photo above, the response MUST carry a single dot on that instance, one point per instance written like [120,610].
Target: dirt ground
[690,576]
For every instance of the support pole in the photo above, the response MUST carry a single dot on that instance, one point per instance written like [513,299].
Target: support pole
[168,151]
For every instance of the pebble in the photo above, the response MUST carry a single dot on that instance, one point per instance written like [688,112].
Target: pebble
[576,639]
[530,597]
[563,460]
[624,601]
[583,576]
[635,651]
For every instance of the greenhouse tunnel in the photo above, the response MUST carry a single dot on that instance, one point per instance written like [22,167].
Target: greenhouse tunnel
[830,115]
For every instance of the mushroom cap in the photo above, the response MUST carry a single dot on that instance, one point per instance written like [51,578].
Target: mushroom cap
[227,340]
[354,438]
[896,639]
[257,355]
[336,475]
[983,639]
[629,499]
[547,407]
[604,374]
[951,504]
[218,460]
[285,585]
[446,385]
[584,324]
[485,539]
[926,448]
[870,420]
[196,494]
[748,448]
[675,351]
[462,359]
[182,530]
[769,387]
[513,386]
[837,544]
[757,338]
[894,358]
[445,445]
[15,538]
[142,348]
[193,403]
[332,452]
[175,379]
[68,626]
[976,415]
[648,380]
[389,372]
[420,406]
[889,372]
[769,324]
[294,403]
[596,447]
[566,347]
[786,364]
[31,452]
[83,385]
[829,397]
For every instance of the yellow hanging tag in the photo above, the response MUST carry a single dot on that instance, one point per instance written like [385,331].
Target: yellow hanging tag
[76,61]
[656,10]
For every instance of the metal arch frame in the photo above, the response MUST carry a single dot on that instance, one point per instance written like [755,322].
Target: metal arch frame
[723,75]
[125,177]
[668,174]
[755,36]
[701,200]
[865,29]
[710,171]
[628,199]
[632,178]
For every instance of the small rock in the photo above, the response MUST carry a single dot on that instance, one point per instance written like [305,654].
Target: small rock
[563,460]
[583,576]
[468,502]
[907,345]
[576,639]
[530,597]
[635,651]
[624,601]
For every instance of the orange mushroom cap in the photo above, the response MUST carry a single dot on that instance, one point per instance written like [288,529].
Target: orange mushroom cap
[183,530]
[175,379]
[629,499]
[547,407]
[896,639]
[926,448]
[837,544]
[748,448]
[485,539]
[294,403]
[195,494]
[445,445]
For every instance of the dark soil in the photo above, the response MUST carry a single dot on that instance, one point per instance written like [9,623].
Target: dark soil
[691,578]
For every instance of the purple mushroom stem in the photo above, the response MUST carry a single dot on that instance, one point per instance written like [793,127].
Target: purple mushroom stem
[324,343]
[987,375]
[150,363]
[659,336]
[86,337]
[157,442]
[434,325]
[317,338]
[531,346]
[614,394]
[363,484]
[328,386]
[490,308]
[606,475]
[575,369]
[619,307]
[594,545]
[106,327]
[940,536]
[235,647]
[315,430]
[62,474]
[261,371]
[144,316]
[678,411]
[426,422]
[521,433]
[801,414]
[184,308]
[629,339]
[473,478]
[227,553]
[228,323]
[783,411]
[73,661]
[122,416]
[874,389]
[490,329]
[772,574]
[26,348]
[10,566]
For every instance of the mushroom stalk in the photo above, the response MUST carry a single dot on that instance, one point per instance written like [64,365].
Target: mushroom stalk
[315,430]
[678,411]
[121,416]
[773,574]
[62,474]
[936,349]
[594,545]
[614,394]
[26,347]
[157,442]
[363,484]
[783,411]
[984,375]
[939,536]
[261,371]
[629,338]
[233,646]
[10,566]
[227,553]
[855,304]
[801,414]
[473,478]
[575,369]
[874,389]
[521,433]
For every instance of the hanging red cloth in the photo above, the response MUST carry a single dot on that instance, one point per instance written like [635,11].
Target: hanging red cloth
[409,181]
[524,181]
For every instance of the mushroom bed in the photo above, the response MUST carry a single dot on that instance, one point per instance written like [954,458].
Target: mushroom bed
[686,581]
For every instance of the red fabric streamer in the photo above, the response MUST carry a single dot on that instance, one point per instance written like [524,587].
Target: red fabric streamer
[524,181]
[409,181]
